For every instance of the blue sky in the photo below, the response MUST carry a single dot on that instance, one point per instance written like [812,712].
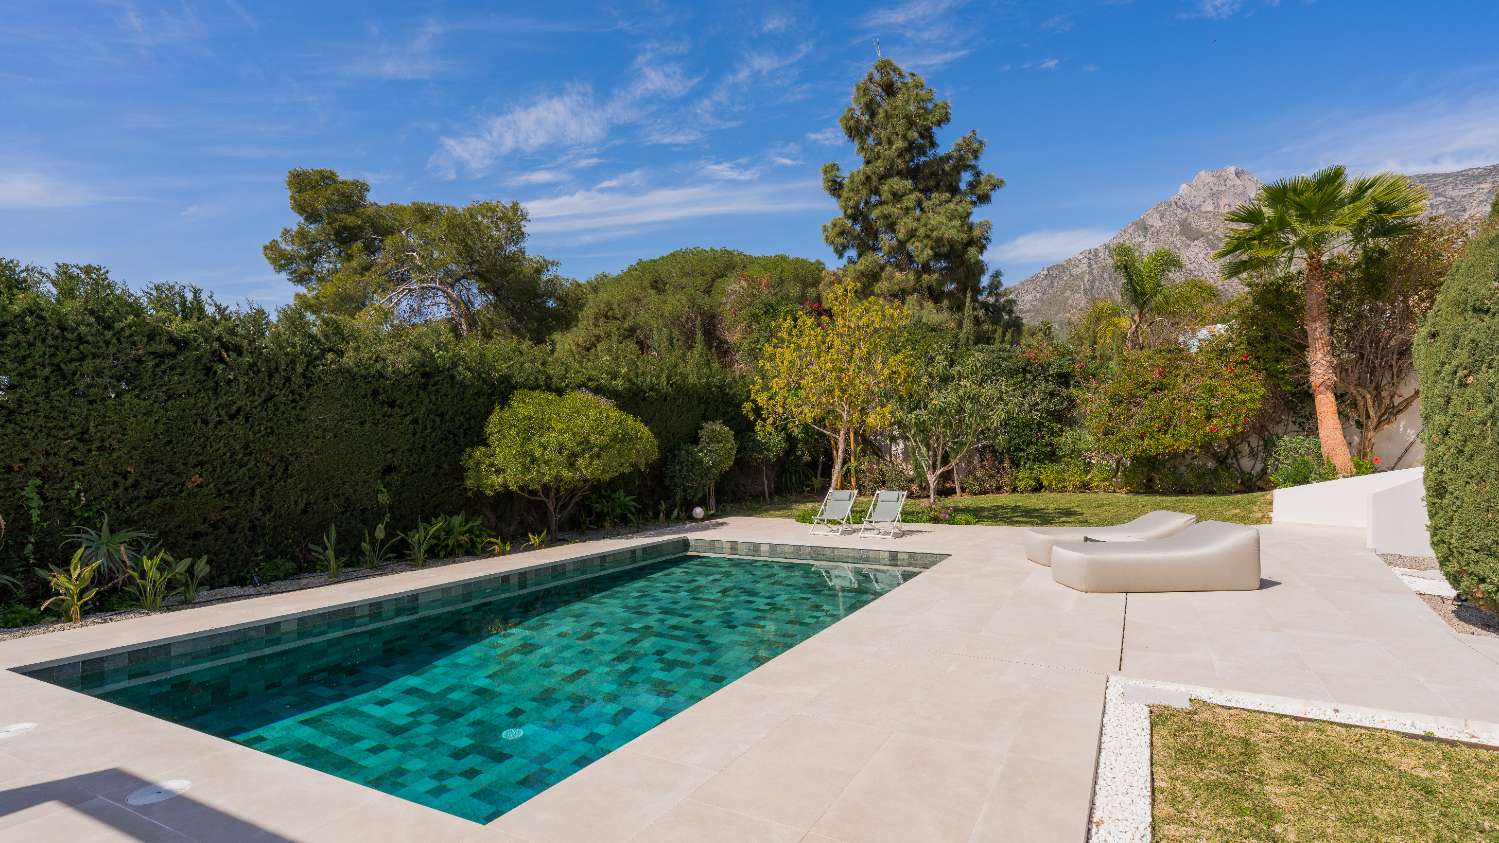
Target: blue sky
[153,138]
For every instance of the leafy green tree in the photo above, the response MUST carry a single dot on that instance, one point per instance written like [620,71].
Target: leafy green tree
[1167,401]
[1149,297]
[418,261]
[1304,220]
[762,447]
[695,468]
[841,373]
[906,213]
[555,448]
[956,406]
[1457,357]
[721,300]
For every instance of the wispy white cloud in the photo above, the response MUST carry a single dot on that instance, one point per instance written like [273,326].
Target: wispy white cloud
[627,211]
[1433,135]
[533,177]
[409,57]
[29,190]
[753,67]
[575,117]
[827,137]
[783,161]
[920,13]
[631,178]
[203,211]
[570,118]
[157,26]
[1047,245]
[922,34]
[730,171]
[776,22]
[1057,23]
[1048,64]
[1219,9]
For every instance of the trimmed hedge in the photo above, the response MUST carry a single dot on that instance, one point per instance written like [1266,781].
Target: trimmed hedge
[239,436]
[1457,360]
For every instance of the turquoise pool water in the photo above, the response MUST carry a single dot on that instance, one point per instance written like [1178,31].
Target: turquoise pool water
[476,709]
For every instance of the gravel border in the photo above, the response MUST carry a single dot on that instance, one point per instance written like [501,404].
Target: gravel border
[1464,617]
[1414,563]
[1121,811]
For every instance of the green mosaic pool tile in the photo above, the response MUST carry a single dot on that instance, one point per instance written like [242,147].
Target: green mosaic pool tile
[420,708]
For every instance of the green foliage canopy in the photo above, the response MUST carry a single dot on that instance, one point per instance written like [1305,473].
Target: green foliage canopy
[554,448]
[1457,357]
[417,261]
[718,300]
[906,213]
[1168,401]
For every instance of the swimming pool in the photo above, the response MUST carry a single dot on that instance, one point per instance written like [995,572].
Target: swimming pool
[474,702]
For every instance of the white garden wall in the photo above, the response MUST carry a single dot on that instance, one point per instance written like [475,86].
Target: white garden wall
[1389,506]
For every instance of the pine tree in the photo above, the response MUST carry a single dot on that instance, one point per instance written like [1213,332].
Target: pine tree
[906,222]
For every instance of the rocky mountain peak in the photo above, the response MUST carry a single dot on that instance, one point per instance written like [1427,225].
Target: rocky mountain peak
[1191,223]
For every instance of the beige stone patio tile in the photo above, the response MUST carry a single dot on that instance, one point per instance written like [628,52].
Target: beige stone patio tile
[1397,692]
[113,737]
[378,816]
[1281,677]
[795,773]
[1037,800]
[692,822]
[240,790]
[1346,654]
[914,789]
[1485,645]
[94,821]
[1188,670]
[716,730]
[612,799]
[1061,726]
[29,791]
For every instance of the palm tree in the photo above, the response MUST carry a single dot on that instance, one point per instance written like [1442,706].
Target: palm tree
[1303,220]
[1149,296]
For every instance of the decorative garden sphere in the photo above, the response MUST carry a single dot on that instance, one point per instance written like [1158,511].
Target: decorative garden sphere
[697,513]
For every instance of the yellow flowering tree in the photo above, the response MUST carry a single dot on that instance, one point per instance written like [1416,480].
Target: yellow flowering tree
[841,370]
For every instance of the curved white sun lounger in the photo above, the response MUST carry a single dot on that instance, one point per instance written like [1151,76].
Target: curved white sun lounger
[1210,556]
[1151,525]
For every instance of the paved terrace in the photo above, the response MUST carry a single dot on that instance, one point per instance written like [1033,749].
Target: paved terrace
[965,705]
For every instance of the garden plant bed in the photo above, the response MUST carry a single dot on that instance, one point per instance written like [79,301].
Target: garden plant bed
[1232,774]
[230,593]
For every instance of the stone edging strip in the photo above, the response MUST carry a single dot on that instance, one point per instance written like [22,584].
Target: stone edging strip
[1121,811]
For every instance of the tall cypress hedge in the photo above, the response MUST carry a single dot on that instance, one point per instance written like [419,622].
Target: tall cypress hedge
[232,434]
[1457,360]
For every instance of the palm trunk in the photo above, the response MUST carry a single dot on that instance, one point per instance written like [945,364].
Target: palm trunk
[1323,374]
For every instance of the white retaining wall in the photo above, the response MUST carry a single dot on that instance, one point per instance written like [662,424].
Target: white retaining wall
[1390,506]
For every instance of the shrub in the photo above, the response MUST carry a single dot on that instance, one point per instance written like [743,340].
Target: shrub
[1297,460]
[555,448]
[1457,360]
[72,589]
[1169,401]
[243,436]
[1071,476]
[1028,478]
[694,469]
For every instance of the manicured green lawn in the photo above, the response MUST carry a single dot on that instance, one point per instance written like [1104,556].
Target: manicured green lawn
[1065,509]
[1234,775]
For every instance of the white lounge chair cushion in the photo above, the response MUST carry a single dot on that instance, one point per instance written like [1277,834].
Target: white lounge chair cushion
[1151,525]
[1210,556]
